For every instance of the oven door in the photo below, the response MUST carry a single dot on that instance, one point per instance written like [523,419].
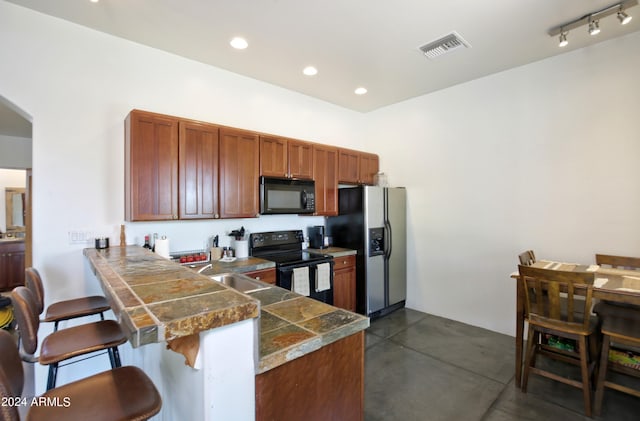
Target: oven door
[284,279]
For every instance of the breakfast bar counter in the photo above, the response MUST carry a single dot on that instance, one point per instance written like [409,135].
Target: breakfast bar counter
[283,336]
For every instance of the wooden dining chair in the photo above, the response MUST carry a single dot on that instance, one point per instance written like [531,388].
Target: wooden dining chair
[618,262]
[124,393]
[527,258]
[564,318]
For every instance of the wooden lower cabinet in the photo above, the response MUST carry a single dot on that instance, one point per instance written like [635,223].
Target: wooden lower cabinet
[344,282]
[327,384]
[264,275]
[11,265]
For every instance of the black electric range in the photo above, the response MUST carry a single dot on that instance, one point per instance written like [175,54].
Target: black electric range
[284,248]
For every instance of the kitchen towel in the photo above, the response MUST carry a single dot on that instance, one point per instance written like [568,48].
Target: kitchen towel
[162,247]
[300,281]
[323,282]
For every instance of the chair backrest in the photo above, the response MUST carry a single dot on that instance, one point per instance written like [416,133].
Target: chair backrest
[11,376]
[33,281]
[621,262]
[527,258]
[28,319]
[548,307]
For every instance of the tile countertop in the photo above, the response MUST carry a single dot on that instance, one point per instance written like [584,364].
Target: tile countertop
[156,300]
[335,251]
[153,295]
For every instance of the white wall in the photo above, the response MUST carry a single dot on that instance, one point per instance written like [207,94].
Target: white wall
[77,85]
[543,156]
[15,152]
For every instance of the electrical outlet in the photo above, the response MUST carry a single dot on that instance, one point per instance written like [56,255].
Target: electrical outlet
[80,237]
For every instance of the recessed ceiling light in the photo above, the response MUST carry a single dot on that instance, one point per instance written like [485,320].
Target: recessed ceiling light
[360,91]
[310,71]
[239,43]
[94,1]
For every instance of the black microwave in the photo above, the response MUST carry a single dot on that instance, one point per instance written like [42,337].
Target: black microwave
[283,195]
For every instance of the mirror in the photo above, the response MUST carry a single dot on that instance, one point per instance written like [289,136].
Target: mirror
[14,203]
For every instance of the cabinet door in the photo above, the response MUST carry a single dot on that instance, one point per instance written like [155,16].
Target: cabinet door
[325,174]
[239,166]
[369,164]
[344,283]
[11,265]
[151,167]
[264,275]
[348,166]
[300,159]
[273,157]
[198,179]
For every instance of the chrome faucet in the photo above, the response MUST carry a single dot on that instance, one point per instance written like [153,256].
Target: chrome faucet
[203,268]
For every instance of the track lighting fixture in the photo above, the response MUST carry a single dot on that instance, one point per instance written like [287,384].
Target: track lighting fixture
[623,17]
[592,20]
[563,40]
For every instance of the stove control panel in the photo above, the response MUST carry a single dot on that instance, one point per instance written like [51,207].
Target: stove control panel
[275,238]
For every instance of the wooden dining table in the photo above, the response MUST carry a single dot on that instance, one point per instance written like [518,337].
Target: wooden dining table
[617,285]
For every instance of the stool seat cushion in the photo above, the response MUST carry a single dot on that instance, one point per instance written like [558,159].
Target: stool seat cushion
[80,340]
[77,307]
[124,393]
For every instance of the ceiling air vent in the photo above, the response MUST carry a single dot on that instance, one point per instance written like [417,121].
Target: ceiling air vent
[444,45]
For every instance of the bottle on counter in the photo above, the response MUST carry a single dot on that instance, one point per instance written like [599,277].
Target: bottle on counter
[155,238]
[146,242]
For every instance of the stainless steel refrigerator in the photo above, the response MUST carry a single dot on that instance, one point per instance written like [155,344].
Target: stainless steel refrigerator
[372,220]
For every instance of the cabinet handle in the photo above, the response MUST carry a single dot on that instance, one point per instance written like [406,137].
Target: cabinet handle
[257,278]
[216,216]
[175,216]
[344,262]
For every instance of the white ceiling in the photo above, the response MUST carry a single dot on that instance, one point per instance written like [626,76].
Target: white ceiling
[370,43]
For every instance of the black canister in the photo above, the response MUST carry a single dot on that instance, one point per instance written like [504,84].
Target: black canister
[102,243]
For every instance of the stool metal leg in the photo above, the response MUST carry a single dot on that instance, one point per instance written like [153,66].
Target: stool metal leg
[53,373]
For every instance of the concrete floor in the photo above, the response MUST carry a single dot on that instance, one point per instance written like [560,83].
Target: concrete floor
[423,367]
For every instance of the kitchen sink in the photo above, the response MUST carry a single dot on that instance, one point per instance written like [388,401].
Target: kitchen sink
[240,282]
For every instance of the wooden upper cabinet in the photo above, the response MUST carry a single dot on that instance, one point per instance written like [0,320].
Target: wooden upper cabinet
[274,160]
[325,174]
[239,168]
[369,165]
[151,167]
[198,181]
[348,166]
[355,167]
[300,159]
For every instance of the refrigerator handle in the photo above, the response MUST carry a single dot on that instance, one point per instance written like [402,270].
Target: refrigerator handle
[387,240]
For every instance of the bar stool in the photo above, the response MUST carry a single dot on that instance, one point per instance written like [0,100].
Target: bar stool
[66,343]
[67,309]
[124,393]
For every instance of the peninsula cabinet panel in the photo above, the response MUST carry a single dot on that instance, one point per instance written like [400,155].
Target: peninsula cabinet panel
[327,384]
[274,160]
[239,168]
[199,150]
[300,159]
[151,167]
[11,264]
[325,174]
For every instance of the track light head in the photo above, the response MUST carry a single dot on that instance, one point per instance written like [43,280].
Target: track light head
[594,27]
[563,40]
[623,17]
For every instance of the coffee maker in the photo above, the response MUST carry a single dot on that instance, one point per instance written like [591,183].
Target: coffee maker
[316,236]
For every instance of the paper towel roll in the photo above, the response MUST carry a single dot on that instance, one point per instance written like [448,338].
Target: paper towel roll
[242,248]
[162,247]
